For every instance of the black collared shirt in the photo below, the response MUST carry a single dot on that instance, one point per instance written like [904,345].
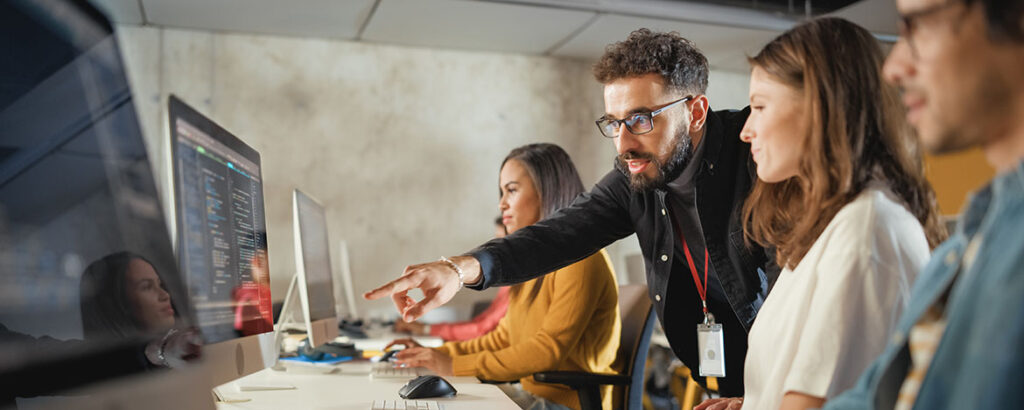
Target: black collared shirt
[682,195]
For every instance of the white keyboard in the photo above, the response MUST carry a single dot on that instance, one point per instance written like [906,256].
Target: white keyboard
[405,405]
[388,371]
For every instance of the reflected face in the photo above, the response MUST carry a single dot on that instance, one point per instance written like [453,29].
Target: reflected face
[649,157]
[260,270]
[150,303]
[520,201]
[957,84]
[776,128]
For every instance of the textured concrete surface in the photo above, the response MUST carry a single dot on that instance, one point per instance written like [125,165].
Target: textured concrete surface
[401,145]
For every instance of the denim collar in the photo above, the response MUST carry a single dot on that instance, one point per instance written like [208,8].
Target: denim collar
[1006,188]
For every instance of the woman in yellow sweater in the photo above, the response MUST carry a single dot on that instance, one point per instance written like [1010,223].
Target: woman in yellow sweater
[567,320]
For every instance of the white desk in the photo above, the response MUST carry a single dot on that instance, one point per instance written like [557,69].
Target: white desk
[381,337]
[352,388]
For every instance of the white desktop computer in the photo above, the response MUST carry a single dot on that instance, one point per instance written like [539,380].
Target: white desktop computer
[221,242]
[348,310]
[313,276]
[88,279]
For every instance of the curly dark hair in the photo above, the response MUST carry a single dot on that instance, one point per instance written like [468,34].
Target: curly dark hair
[675,58]
[1003,18]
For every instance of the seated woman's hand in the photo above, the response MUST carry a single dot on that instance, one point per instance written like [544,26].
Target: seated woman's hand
[724,403]
[434,360]
[407,342]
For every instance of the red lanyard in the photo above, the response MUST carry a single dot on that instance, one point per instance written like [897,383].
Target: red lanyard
[702,289]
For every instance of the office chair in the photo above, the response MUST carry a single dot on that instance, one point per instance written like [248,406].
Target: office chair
[637,324]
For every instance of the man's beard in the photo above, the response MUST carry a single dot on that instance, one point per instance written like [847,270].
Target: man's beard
[668,171]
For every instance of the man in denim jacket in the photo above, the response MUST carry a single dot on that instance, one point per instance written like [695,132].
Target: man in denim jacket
[959,343]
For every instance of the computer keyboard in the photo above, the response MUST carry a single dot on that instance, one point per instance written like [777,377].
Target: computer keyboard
[405,405]
[388,370]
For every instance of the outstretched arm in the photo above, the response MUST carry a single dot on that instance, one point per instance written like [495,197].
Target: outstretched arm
[594,220]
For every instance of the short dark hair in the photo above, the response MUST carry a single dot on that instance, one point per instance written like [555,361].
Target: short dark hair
[1004,19]
[554,175]
[676,59]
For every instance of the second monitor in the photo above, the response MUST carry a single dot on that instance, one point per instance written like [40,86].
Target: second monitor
[313,269]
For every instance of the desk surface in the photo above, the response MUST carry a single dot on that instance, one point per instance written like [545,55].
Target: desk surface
[351,388]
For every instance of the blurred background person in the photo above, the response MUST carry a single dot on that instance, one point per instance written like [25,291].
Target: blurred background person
[567,320]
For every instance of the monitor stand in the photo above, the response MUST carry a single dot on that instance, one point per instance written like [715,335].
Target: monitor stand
[287,321]
[226,393]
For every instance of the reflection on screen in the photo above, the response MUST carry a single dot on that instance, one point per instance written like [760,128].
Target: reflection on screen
[85,260]
[315,257]
[221,228]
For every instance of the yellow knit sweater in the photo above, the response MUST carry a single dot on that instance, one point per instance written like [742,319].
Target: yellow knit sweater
[572,324]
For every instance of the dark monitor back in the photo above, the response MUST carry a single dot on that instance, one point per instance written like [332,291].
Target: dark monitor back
[87,273]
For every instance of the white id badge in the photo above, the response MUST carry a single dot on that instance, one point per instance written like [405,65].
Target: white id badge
[711,348]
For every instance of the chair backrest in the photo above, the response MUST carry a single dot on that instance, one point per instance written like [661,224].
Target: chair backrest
[636,268]
[637,325]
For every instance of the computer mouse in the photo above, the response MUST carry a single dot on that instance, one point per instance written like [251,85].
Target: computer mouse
[425,387]
[390,355]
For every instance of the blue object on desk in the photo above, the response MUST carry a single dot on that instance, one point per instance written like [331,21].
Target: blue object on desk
[328,359]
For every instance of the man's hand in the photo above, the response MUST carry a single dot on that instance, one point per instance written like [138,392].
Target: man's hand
[438,281]
[434,360]
[724,403]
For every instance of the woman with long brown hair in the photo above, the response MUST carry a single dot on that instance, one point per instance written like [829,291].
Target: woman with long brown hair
[842,198]
[566,320]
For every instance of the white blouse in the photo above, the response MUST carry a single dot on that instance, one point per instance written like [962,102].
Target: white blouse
[826,320]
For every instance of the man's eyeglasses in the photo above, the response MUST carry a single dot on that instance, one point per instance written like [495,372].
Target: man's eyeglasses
[637,123]
[908,23]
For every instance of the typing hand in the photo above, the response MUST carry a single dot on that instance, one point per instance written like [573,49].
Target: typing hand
[434,360]
[437,280]
[724,403]
[408,343]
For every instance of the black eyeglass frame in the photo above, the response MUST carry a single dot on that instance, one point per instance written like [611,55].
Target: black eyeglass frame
[908,22]
[604,122]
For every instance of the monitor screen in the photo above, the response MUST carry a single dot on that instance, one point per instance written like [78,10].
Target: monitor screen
[315,256]
[87,273]
[221,224]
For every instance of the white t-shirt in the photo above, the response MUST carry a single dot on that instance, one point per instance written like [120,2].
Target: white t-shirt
[826,320]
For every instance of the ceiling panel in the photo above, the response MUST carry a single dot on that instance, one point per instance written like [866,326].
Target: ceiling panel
[725,47]
[308,18]
[473,25]
[121,11]
[878,16]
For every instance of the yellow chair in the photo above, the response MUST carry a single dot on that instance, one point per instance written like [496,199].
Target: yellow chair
[687,391]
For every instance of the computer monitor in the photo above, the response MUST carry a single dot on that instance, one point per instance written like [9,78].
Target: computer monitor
[313,269]
[88,279]
[221,241]
[347,289]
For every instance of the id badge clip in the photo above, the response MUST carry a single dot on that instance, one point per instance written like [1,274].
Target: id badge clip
[711,347]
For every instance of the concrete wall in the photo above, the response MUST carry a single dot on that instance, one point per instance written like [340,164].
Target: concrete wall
[402,145]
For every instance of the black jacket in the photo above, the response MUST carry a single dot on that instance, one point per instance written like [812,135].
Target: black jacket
[611,211]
